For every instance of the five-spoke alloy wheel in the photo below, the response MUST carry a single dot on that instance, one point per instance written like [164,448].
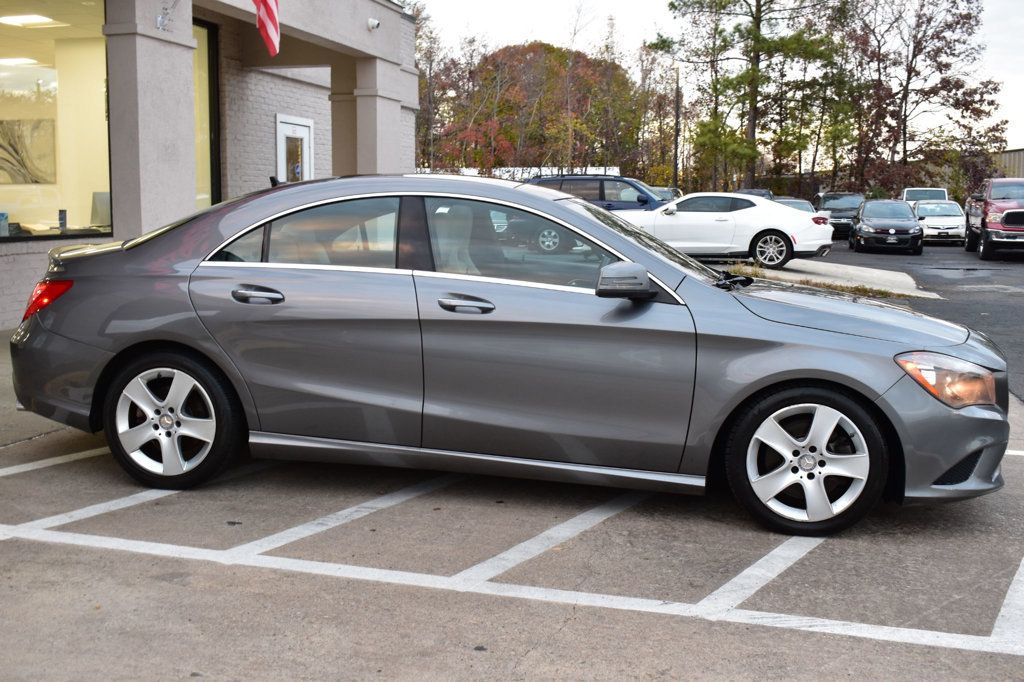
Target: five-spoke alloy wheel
[170,421]
[771,250]
[807,461]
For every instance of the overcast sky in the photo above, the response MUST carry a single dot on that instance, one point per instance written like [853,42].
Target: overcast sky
[509,23]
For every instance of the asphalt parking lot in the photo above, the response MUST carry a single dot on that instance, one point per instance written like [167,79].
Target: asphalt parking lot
[984,295]
[308,570]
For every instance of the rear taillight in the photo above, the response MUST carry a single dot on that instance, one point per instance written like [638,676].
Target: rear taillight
[45,293]
[820,220]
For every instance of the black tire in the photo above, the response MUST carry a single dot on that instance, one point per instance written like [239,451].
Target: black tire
[779,246]
[740,443]
[230,434]
[970,241]
[857,246]
[986,250]
[917,250]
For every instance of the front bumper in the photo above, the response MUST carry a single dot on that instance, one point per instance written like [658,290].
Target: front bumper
[1006,238]
[949,234]
[53,375]
[889,241]
[948,454]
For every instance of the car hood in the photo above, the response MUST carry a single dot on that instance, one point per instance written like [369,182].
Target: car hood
[1001,205]
[898,223]
[944,220]
[846,314]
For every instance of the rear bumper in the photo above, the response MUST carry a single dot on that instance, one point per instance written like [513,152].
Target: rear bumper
[948,454]
[822,250]
[53,375]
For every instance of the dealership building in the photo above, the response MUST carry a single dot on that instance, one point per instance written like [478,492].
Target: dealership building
[118,117]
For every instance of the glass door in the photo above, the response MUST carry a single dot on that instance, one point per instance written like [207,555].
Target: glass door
[294,148]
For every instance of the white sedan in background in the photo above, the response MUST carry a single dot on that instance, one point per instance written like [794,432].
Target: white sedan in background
[723,225]
[941,221]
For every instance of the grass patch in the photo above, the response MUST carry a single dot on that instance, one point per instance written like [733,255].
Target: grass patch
[854,289]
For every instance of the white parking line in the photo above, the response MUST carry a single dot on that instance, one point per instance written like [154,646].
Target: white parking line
[344,516]
[762,572]
[556,535]
[998,644]
[1019,453]
[97,509]
[1010,621]
[50,461]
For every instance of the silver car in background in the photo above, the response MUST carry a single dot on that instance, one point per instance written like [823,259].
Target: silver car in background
[942,221]
[379,320]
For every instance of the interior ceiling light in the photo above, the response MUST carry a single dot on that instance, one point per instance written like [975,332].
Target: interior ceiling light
[30,21]
[17,61]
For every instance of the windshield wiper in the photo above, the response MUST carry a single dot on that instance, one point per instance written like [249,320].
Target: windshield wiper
[729,281]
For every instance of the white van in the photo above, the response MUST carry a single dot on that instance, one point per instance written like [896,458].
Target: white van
[913,194]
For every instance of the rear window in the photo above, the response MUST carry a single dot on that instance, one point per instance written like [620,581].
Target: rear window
[840,201]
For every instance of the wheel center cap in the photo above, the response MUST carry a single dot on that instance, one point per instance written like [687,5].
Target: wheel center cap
[806,462]
[166,421]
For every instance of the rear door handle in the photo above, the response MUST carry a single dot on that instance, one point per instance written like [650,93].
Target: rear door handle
[257,295]
[473,306]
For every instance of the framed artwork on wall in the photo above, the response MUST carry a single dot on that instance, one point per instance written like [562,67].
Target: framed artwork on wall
[28,152]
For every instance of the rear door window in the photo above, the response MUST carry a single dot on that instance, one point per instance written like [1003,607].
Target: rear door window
[584,189]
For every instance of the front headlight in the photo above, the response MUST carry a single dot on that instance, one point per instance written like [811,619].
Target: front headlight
[865,228]
[955,382]
[994,217]
[915,230]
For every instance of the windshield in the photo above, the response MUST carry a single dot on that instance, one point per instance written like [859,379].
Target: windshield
[893,210]
[945,209]
[1007,191]
[798,204]
[631,231]
[650,190]
[840,201]
[921,194]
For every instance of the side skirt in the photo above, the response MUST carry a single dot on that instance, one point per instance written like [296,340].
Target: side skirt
[305,448]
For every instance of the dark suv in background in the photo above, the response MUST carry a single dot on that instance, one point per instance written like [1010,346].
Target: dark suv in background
[842,207]
[613,192]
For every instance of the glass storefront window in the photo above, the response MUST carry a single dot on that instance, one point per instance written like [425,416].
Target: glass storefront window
[54,158]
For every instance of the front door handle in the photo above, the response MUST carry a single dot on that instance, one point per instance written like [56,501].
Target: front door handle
[475,306]
[257,295]
[721,220]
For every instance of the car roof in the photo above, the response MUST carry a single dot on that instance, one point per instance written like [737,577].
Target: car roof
[884,201]
[1003,181]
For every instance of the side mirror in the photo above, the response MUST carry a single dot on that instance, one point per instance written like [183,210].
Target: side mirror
[642,199]
[624,280]
[977,197]
[920,217]
[669,210]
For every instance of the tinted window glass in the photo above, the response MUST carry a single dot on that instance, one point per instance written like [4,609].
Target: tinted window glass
[740,204]
[706,204]
[465,242]
[616,190]
[584,189]
[1005,190]
[553,183]
[246,249]
[896,210]
[841,201]
[360,232]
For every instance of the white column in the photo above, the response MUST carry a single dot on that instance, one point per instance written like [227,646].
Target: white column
[152,114]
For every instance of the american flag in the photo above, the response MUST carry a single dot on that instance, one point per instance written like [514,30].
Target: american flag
[266,20]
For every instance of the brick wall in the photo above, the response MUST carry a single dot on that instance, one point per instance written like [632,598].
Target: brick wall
[22,264]
[250,99]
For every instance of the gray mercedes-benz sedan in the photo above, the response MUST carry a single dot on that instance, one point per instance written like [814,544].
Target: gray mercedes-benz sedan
[380,320]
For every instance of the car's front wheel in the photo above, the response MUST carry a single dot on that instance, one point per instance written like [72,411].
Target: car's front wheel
[172,422]
[970,240]
[806,461]
[771,250]
[986,250]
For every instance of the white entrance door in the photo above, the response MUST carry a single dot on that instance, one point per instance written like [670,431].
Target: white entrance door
[294,148]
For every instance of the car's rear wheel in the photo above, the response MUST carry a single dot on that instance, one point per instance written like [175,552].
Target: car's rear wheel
[172,422]
[771,250]
[806,461]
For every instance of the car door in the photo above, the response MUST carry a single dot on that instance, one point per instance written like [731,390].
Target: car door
[521,359]
[621,196]
[312,310]
[701,225]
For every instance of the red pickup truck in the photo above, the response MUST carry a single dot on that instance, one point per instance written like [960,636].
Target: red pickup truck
[995,217]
